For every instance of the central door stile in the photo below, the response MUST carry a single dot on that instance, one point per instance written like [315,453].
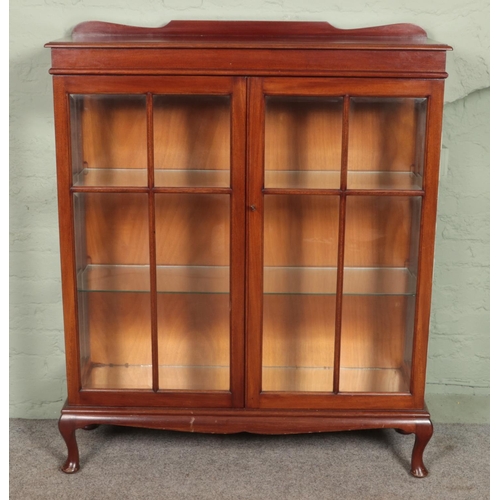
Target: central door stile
[238,241]
[255,179]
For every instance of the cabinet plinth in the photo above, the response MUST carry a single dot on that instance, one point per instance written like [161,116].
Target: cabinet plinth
[247,214]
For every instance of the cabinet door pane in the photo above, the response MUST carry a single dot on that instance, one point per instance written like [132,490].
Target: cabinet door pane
[300,279]
[386,143]
[192,136]
[108,140]
[378,306]
[303,137]
[192,256]
[114,308]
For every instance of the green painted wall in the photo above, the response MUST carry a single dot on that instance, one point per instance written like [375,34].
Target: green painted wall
[459,346]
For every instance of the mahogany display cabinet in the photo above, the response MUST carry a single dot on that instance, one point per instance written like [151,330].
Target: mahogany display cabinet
[247,217]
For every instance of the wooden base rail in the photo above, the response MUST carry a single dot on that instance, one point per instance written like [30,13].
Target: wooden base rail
[236,421]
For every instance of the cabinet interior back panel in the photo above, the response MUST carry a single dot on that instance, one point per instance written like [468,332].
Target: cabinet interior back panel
[303,133]
[373,330]
[192,229]
[299,330]
[119,328]
[116,228]
[192,132]
[113,132]
[383,134]
[381,231]
[193,329]
[301,230]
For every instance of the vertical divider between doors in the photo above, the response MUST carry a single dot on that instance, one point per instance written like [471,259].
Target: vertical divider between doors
[341,241]
[255,219]
[238,241]
[152,242]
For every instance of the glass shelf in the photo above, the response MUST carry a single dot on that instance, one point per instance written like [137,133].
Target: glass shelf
[383,180]
[111,177]
[194,378]
[330,179]
[108,134]
[323,281]
[277,280]
[138,177]
[379,281]
[297,379]
[372,380]
[192,178]
[169,279]
[305,179]
[386,142]
[320,379]
[129,376]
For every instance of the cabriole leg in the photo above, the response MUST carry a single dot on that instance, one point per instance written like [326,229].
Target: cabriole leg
[423,432]
[67,428]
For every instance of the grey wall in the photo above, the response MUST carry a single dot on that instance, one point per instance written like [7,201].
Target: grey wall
[459,345]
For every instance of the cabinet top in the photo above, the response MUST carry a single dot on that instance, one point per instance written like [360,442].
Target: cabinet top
[248,34]
[246,48]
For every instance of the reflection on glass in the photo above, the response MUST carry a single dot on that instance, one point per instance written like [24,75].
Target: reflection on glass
[386,143]
[303,137]
[114,319]
[300,237]
[192,254]
[192,140]
[381,241]
[108,140]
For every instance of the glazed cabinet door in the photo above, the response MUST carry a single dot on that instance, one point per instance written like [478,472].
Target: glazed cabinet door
[338,263]
[152,194]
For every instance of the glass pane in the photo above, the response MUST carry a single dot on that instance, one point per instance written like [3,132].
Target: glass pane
[192,255]
[303,142]
[386,143]
[108,140]
[192,140]
[300,260]
[381,242]
[114,308]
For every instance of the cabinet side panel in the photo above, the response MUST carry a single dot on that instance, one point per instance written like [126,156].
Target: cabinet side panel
[427,240]
[66,236]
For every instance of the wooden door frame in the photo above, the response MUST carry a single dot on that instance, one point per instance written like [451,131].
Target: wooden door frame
[346,87]
[147,85]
